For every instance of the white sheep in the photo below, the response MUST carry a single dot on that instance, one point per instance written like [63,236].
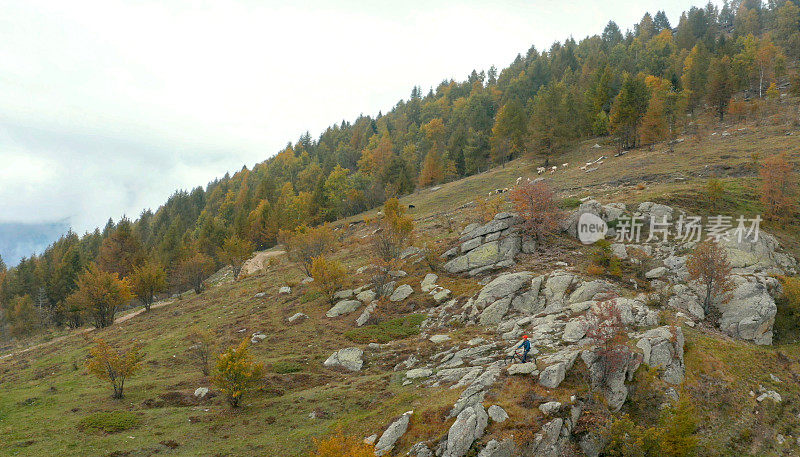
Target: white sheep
[565,165]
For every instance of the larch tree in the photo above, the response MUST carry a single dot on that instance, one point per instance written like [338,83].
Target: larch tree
[509,132]
[194,269]
[779,187]
[235,252]
[121,251]
[114,366]
[720,85]
[708,265]
[628,110]
[99,295]
[146,281]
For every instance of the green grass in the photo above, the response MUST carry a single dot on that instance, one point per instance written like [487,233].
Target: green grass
[109,421]
[393,329]
[286,367]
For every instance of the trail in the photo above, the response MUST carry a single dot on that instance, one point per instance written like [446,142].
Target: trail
[81,331]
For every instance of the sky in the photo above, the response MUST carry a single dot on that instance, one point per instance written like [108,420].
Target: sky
[107,107]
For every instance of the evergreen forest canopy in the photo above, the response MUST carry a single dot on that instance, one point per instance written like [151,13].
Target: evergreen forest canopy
[639,87]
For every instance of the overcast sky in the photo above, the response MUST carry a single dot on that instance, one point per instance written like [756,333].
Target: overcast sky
[108,107]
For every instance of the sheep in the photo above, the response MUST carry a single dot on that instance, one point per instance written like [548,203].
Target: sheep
[540,170]
[519,179]
[565,165]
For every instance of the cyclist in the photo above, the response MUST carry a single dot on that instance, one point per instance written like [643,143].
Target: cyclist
[526,347]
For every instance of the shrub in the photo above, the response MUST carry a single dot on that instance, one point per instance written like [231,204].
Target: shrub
[605,258]
[673,436]
[236,373]
[537,205]
[394,232]
[386,331]
[714,191]
[201,346]
[328,276]
[487,208]
[787,321]
[339,445]
[193,271]
[109,421]
[21,315]
[709,265]
[604,326]
[305,243]
[113,366]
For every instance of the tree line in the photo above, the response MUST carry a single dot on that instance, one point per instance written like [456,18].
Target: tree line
[640,87]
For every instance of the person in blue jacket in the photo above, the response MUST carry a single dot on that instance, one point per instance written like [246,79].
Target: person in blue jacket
[525,346]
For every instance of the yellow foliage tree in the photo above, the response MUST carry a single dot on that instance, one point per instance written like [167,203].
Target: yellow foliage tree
[328,276]
[305,243]
[99,294]
[109,364]
[235,252]
[236,373]
[146,281]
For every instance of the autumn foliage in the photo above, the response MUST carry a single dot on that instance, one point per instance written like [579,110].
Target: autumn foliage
[604,326]
[779,193]
[112,365]
[305,243]
[235,252]
[339,445]
[236,373]
[193,271]
[536,204]
[146,281]
[709,266]
[99,294]
[328,276]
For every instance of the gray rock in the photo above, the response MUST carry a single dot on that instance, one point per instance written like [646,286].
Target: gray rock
[611,384]
[497,414]
[401,293]
[419,373]
[588,290]
[257,337]
[439,338]
[619,250]
[441,295]
[364,317]
[552,376]
[494,448]
[342,294]
[522,368]
[285,290]
[296,316]
[501,287]
[366,296]
[550,407]
[771,395]
[494,313]
[574,331]
[392,434]
[347,358]
[201,392]
[750,313]
[468,427]
[429,282]
[420,450]
[343,307]
[492,254]
[662,347]
[656,273]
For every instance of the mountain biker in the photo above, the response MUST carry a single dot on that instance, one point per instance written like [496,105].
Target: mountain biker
[525,346]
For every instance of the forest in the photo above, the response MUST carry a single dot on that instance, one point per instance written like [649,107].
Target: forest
[639,87]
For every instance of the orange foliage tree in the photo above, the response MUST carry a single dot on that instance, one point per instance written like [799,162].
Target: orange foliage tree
[709,265]
[536,204]
[778,187]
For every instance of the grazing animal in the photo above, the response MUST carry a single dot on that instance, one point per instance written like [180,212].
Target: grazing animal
[411,206]
[540,170]
[565,165]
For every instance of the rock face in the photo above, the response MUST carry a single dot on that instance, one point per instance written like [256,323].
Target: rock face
[486,247]
[497,414]
[611,380]
[662,347]
[750,313]
[348,358]
[494,448]
[468,427]
[392,434]
[343,307]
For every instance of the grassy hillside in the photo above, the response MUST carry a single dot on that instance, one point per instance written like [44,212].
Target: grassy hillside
[50,406]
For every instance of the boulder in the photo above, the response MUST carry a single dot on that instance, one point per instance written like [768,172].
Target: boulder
[417,373]
[468,427]
[552,376]
[392,434]
[588,290]
[550,407]
[347,358]
[342,294]
[439,338]
[429,282]
[497,414]
[656,273]
[528,368]
[257,337]
[420,450]
[343,307]
[494,448]
[485,247]
[364,317]
[285,290]
[401,293]
[201,392]
[366,296]
[555,288]
[750,312]
[501,287]
[494,313]
[574,331]
[610,382]
[570,223]
[296,317]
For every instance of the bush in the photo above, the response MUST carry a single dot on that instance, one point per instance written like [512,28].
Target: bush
[394,232]
[202,345]
[193,271]
[328,276]
[339,445]
[537,205]
[236,373]
[113,366]
[604,258]
[787,321]
[384,332]
[673,436]
[286,366]
[109,421]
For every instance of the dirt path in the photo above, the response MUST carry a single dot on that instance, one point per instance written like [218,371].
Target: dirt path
[81,331]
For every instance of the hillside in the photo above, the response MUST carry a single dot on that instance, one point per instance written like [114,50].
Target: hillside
[47,399]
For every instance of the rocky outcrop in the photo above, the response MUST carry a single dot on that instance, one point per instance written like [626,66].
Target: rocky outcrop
[750,312]
[348,358]
[662,347]
[486,247]
[494,448]
[608,374]
[392,434]
[468,427]
[401,293]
